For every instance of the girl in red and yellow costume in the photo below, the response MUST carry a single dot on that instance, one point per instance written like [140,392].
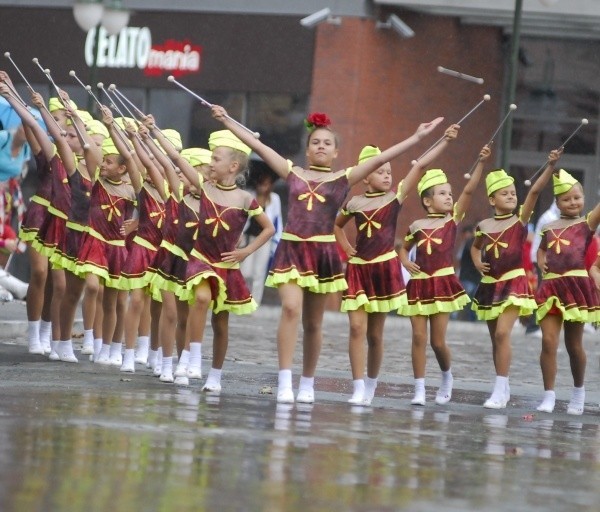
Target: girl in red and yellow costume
[504,293]
[38,299]
[70,217]
[183,206]
[103,253]
[224,210]
[373,273]
[566,297]
[434,291]
[307,266]
[144,245]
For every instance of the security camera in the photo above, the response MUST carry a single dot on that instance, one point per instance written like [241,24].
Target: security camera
[319,17]
[397,25]
[400,27]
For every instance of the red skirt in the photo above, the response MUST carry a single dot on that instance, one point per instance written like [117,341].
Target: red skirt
[134,274]
[35,217]
[439,294]
[102,259]
[313,265]
[575,298]
[375,287]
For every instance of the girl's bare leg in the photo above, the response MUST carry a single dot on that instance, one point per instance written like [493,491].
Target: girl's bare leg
[578,360]
[551,326]
[500,330]
[439,326]
[419,357]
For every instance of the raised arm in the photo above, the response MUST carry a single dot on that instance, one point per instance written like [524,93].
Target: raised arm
[30,124]
[92,154]
[361,171]
[416,171]
[184,166]
[537,187]
[123,148]
[273,159]
[464,201]
[158,176]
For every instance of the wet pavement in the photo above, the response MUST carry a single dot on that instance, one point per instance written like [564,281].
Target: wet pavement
[78,437]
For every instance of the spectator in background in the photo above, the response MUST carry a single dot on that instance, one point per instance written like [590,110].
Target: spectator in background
[468,274]
[255,267]
[14,153]
[550,215]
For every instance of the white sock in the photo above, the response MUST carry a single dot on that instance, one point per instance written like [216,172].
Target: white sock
[88,337]
[370,387]
[419,396]
[306,383]
[419,385]
[65,347]
[104,351]
[129,357]
[45,331]
[152,355]
[214,376]
[284,380]
[358,393]
[548,402]
[447,382]
[54,345]
[577,398]
[370,383]
[143,342]
[97,347]
[184,358]
[159,358]
[115,349]
[33,332]
[358,386]
[167,366]
[500,387]
[195,354]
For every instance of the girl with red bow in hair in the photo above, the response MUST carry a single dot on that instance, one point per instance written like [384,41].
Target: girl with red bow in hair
[306,265]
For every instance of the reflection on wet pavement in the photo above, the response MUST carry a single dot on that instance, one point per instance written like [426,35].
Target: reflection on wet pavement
[181,450]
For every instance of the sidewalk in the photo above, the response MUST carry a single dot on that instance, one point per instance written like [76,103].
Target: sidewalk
[252,342]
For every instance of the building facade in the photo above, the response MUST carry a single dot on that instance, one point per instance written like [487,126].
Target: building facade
[269,71]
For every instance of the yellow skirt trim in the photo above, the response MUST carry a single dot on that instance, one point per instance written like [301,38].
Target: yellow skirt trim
[433,308]
[526,305]
[569,273]
[374,305]
[317,238]
[511,274]
[569,314]
[379,259]
[311,282]
[446,271]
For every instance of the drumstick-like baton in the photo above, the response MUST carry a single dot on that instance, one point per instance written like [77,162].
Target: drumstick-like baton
[485,98]
[511,109]
[171,78]
[60,98]
[88,88]
[120,112]
[123,100]
[7,55]
[583,122]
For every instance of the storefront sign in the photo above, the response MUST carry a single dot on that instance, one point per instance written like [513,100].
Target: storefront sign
[132,48]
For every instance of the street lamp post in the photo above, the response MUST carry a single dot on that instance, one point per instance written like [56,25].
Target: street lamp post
[511,85]
[93,14]
[512,81]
